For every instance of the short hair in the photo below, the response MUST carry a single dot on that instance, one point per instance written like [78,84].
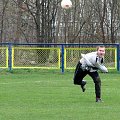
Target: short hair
[101,46]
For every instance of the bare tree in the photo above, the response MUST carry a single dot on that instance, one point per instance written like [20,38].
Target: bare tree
[45,21]
[4,6]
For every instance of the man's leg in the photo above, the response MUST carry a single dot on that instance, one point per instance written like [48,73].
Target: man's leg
[79,75]
[83,85]
[96,78]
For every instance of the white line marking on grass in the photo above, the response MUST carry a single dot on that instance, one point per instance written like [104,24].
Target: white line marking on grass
[19,82]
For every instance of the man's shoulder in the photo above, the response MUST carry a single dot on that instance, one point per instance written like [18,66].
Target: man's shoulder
[92,54]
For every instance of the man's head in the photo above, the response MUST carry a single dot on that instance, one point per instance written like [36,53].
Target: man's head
[101,51]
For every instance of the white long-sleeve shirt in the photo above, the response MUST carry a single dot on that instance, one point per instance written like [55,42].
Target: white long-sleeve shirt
[93,60]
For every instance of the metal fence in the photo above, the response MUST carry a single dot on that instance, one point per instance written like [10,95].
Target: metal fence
[73,54]
[52,56]
[35,57]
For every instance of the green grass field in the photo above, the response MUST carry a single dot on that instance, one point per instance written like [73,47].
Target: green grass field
[51,95]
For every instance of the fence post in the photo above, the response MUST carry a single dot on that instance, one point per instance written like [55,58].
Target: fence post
[118,58]
[62,58]
[10,56]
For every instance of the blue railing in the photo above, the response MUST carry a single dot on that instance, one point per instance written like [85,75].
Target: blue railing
[62,45]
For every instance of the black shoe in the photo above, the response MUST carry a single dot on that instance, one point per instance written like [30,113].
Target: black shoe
[98,100]
[83,85]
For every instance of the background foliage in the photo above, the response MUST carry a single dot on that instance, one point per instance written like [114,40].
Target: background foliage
[44,21]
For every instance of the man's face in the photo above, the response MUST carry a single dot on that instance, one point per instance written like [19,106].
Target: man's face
[101,51]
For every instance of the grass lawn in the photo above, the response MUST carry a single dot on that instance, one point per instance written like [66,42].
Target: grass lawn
[51,95]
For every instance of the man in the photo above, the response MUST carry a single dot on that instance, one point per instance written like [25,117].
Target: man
[89,64]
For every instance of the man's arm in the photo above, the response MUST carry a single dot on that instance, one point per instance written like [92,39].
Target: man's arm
[86,60]
[101,67]
[98,65]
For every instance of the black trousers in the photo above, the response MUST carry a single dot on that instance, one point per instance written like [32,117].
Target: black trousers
[80,74]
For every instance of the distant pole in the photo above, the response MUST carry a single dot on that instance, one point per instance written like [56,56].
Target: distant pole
[10,56]
[62,58]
